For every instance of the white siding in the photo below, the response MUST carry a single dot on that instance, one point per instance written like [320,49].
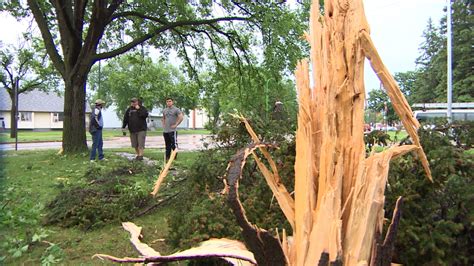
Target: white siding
[42,120]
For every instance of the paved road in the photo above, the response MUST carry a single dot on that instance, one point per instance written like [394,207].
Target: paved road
[185,143]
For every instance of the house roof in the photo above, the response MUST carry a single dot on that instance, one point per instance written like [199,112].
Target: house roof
[35,101]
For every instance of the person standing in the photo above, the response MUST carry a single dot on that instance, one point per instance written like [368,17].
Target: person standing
[96,124]
[172,117]
[135,119]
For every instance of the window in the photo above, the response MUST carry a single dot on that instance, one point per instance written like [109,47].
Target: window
[58,117]
[26,116]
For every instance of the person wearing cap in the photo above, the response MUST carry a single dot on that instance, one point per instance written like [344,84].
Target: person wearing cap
[96,123]
[135,119]
[172,117]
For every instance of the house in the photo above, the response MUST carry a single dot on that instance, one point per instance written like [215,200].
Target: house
[38,110]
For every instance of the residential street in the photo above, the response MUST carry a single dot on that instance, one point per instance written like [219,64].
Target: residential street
[186,142]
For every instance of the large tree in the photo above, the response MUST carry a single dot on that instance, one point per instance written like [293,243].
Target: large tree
[79,26]
[24,68]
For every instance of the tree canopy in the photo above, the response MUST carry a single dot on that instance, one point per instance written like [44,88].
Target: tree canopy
[136,75]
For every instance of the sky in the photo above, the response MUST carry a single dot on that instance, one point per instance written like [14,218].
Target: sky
[396,29]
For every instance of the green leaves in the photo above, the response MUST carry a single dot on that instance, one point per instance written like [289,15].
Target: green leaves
[27,64]
[136,75]
[52,255]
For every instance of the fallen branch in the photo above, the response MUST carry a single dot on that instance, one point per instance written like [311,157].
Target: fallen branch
[230,250]
[266,248]
[152,207]
[284,199]
[164,173]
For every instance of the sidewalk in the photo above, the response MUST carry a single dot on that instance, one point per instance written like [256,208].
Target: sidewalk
[186,142]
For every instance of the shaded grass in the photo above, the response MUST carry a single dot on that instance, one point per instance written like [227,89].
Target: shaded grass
[36,178]
[56,135]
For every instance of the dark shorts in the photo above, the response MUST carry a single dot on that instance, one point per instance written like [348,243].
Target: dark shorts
[138,139]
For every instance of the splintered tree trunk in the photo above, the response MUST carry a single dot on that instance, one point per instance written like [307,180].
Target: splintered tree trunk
[74,136]
[339,193]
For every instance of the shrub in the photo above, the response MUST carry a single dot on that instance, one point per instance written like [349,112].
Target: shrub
[203,212]
[104,196]
[436,226]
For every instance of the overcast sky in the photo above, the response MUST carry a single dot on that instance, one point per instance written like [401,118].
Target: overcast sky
[396,29]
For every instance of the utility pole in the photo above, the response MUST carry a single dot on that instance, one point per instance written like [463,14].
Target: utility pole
[17,83]
[449,68]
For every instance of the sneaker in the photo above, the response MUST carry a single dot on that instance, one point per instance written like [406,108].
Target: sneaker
[92,161]
[103,160]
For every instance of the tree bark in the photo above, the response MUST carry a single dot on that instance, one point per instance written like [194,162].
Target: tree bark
[74,127]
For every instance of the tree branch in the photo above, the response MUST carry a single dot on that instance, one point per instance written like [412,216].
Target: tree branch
[79,11]
[64,11]
[22,70]
[266,248]
[166,26]
[35,84]
[5,85]
[188,60]
[47,37]
[10,74]
[211,42]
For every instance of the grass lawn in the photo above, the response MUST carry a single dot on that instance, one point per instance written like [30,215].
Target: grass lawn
[29,180]
[56,135]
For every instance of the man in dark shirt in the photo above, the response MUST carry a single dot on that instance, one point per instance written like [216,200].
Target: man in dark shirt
[135,118]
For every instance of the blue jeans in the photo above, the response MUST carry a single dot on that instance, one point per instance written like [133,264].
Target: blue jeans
[97,144]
